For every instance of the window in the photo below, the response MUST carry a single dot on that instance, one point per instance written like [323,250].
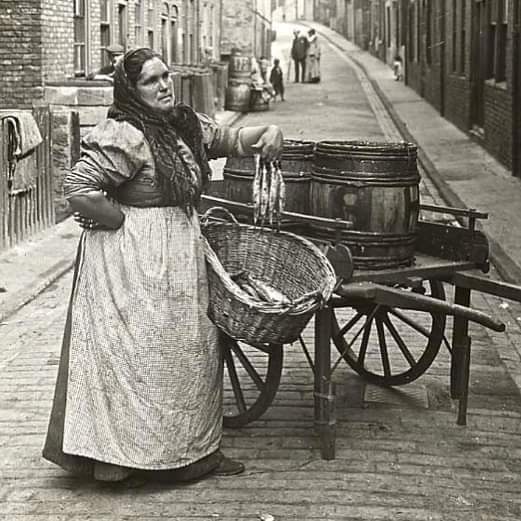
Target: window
[122,23]
[463,36]
[211,35]
[105,6]
[150,23]
[138,27]
[428,32]
[388,27]
[191,26]
[165,15]
[412,29]
[455,20]
[418,32]
[173,34]
[79,37]
[497,13]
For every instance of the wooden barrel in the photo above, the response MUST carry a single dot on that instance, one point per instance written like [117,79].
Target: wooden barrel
[374,185]
[297,163]
[239,67]
[203,92]
[259,101]
[239,81]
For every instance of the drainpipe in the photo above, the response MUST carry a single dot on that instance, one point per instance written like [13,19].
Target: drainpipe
[516,90]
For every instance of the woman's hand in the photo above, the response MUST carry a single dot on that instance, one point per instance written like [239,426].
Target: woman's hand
[94,211]
[269,145]
[266,141]
[88,224]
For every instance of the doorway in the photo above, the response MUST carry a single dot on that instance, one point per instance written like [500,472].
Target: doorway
[478,65]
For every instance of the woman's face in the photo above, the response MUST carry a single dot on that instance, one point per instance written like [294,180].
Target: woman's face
[154,85]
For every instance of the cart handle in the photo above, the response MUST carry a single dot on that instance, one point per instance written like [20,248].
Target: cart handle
[492,287]
[299,217]
[392,297]
[462,212]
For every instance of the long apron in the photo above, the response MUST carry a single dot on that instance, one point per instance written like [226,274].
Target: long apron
[140,377]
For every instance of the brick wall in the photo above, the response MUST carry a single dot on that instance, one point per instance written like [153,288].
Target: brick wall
[57,39]
[457,101]
[498,124]
[20,54]
[245,27]
[237,23]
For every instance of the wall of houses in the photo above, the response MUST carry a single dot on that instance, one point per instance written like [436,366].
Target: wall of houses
[457,54]
[20,55]
[49,41]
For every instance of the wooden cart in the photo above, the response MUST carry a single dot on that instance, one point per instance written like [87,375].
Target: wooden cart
[369,339]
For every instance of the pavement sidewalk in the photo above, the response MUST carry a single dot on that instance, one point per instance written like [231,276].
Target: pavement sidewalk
[463,172]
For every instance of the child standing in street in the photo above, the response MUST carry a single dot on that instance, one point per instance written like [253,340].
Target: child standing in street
[277,79]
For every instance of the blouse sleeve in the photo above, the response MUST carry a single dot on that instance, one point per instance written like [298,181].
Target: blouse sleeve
[112,153]
[220,140]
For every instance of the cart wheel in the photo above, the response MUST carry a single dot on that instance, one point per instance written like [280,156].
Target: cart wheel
[395,346]
[252,377]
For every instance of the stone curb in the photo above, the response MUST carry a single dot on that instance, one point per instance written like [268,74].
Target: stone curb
[34,265]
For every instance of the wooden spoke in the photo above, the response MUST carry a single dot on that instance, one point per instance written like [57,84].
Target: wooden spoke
[247,365]
[383,347]
[365,342]
[383,354]
[399,341]
[398,314]
[350,324]
[234,379]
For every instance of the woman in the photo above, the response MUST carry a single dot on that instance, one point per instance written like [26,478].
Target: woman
[139,386]
[312,74]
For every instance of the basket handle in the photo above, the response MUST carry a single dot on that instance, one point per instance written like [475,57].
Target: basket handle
[216,209]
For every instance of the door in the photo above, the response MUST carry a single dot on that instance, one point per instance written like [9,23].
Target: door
[442,11]
[478,64]
[516,91]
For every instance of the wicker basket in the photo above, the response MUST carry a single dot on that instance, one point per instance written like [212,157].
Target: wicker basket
[291,264]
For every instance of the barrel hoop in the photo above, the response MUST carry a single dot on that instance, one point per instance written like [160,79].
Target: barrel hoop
[359,183]
[381,263]
[366,146]
[298,177]
[369,238]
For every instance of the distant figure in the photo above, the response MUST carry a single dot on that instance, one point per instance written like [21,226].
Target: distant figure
[298,54]
[106,72]
[312,58]
[207,58]
[397,68]
[277,80]
[263,66]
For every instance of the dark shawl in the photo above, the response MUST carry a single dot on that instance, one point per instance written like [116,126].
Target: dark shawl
[180,186]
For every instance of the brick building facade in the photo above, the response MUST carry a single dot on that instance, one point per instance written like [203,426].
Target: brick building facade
[46,42]
[463,56]
[246,25]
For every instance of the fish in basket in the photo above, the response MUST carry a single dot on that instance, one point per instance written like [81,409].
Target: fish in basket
[264,284]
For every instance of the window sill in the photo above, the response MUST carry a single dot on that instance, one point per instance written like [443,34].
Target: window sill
[458,76]
[500,85]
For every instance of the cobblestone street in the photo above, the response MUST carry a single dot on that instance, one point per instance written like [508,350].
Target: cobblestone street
[399,453]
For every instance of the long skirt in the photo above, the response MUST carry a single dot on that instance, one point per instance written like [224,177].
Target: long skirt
[312,69]
[140,377]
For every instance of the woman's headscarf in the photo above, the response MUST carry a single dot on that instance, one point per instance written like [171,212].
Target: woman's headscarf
[181,184]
